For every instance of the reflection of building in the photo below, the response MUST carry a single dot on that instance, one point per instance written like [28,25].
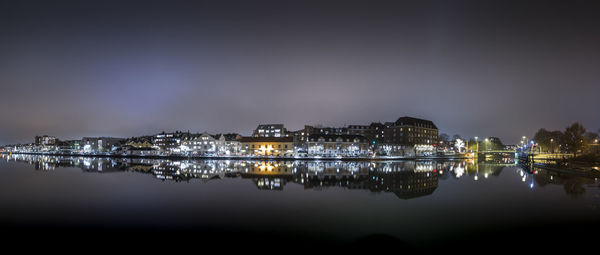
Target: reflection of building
[268,175]
[405,184]
[406,179]
[324,174]
[268,146]
[269,130]
[170,170]
[337,145]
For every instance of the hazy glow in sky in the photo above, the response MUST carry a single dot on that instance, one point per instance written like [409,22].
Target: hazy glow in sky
[122,68]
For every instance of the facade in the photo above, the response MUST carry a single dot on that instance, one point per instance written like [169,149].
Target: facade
[228,144]
[45,140]
[140,142]
[410,136]
[206,144]
[374,133]
[269,130]
[408,130]
[337,145]
[100,144]
[169,142]
[301,137]
[138,151]
[267,146]
[198,144]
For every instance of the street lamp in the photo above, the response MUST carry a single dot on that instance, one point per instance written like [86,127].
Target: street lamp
[487,141]
[477,151]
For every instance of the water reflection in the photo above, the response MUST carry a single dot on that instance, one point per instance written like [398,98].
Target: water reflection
[405,179]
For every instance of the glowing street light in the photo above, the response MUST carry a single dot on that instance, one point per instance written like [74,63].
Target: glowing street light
[476,138]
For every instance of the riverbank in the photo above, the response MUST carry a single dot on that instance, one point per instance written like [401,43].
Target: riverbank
[182,157]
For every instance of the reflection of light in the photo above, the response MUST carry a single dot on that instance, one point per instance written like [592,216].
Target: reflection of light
[459,171]
[475,178]
[264,166]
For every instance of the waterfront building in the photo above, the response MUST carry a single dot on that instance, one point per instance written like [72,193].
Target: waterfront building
[100,144]
[374,133]
[45,140]
[199,144]
[169,142]
[267,146]
[337,145]
[410,136]
[228,144]
[269,130]
[301,137]
[140,142]
[71,146]
[138,151]
[44,144]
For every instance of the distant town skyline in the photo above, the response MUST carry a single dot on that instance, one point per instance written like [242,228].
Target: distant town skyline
[73,69]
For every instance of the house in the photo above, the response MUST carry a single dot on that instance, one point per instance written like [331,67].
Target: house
[337,145]
[267,146]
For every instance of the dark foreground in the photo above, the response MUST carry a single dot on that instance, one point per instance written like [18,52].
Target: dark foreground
[571,236]
[303,206]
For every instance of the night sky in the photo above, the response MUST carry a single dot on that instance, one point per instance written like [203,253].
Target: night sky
[129,68]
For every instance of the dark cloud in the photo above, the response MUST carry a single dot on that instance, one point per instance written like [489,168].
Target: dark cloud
[124,68]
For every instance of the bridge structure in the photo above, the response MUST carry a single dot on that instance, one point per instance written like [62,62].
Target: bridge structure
[497,151]
[510,153]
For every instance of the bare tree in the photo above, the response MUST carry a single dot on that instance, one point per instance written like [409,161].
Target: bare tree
[574,138]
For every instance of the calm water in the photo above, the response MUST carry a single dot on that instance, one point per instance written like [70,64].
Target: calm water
[412,201]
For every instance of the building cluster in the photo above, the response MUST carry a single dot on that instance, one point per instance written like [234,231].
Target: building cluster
[407,136]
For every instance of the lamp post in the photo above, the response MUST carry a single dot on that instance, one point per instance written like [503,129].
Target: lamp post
[487,142]
[477,151]
[522,145]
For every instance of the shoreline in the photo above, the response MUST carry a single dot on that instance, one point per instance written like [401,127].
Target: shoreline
[180,157]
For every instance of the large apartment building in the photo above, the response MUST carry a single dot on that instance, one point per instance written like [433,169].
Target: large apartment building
[269,130]
[411,131]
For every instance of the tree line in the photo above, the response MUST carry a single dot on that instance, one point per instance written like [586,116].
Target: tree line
[574,139]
